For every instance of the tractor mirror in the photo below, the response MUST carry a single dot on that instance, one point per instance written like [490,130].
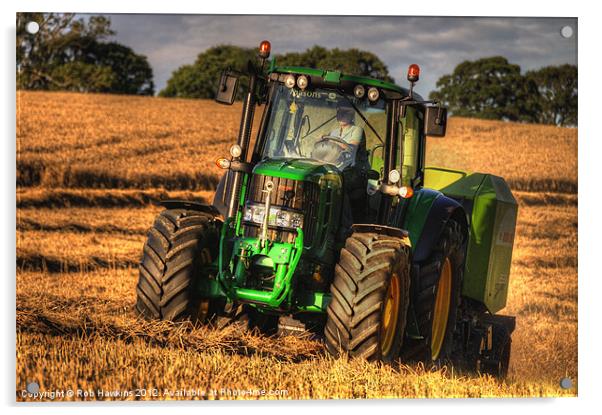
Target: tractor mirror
[435,121]
[226,91]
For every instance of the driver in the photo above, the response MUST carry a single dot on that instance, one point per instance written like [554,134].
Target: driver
[355,179]
[347,130]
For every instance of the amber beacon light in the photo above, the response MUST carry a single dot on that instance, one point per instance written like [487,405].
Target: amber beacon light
[413,73]
[264,49]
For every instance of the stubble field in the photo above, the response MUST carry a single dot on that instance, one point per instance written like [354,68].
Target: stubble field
[90,170]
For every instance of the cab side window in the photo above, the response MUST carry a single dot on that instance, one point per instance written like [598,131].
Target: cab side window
[409,129]
[374,145]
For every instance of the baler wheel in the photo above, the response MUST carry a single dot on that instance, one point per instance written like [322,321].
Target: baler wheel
[437,297]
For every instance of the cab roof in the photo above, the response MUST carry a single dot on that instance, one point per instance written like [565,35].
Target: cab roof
[337,76]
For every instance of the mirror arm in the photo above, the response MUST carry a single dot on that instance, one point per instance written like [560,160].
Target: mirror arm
[411,101]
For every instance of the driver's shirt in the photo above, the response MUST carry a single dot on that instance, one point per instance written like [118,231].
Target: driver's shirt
[351,134]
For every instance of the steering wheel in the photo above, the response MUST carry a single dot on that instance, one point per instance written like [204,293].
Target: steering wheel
[345,155]
[338,140]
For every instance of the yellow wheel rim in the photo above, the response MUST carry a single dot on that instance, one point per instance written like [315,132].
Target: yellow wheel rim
[389,315]
[441,309]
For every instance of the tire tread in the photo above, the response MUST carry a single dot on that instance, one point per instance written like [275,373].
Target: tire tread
[361,279]
[170,262]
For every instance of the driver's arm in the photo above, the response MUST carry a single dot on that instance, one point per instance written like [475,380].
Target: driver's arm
[356,136]
[354,139]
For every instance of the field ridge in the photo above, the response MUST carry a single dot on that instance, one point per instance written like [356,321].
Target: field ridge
[108,198]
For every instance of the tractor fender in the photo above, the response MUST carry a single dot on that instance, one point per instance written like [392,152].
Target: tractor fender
[190,205]
[402,234]
[442,209]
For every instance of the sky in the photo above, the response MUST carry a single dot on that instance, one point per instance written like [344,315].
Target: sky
[437,44]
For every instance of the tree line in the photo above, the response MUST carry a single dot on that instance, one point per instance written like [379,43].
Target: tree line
[69,53]
[494,88]
[72,54]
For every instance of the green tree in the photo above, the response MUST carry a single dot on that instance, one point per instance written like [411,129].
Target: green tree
[69,54]
[356,62]
[350,61]
[311,58]
[489,88]
[131,72]
[81,77]
[557,93]
[200,79]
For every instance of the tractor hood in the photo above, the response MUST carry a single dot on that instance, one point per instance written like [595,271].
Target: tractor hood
[296,169]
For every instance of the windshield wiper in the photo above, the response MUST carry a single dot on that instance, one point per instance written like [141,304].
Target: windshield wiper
[361,115]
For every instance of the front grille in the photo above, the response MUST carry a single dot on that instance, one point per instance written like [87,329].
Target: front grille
[292,194]
[312,202]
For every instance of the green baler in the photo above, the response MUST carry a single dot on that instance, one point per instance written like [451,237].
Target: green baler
[331,223]
[492,212]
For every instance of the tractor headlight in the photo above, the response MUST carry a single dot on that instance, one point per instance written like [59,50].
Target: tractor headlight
[359,91]
[278,217]
[394,176]
[235,150]
[290,81]
[302,82]
[373,94]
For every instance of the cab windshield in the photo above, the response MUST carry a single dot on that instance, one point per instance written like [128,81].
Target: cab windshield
[324,125]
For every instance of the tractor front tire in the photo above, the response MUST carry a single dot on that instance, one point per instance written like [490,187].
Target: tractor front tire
[437,298]
[366,317]
[179,244]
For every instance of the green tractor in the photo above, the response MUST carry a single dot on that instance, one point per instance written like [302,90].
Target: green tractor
[331,223]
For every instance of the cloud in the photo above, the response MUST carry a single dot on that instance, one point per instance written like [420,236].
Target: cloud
[438,44]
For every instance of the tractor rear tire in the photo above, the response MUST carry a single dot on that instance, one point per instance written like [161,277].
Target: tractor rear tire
[366,317]
[179,244]
[437,297]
